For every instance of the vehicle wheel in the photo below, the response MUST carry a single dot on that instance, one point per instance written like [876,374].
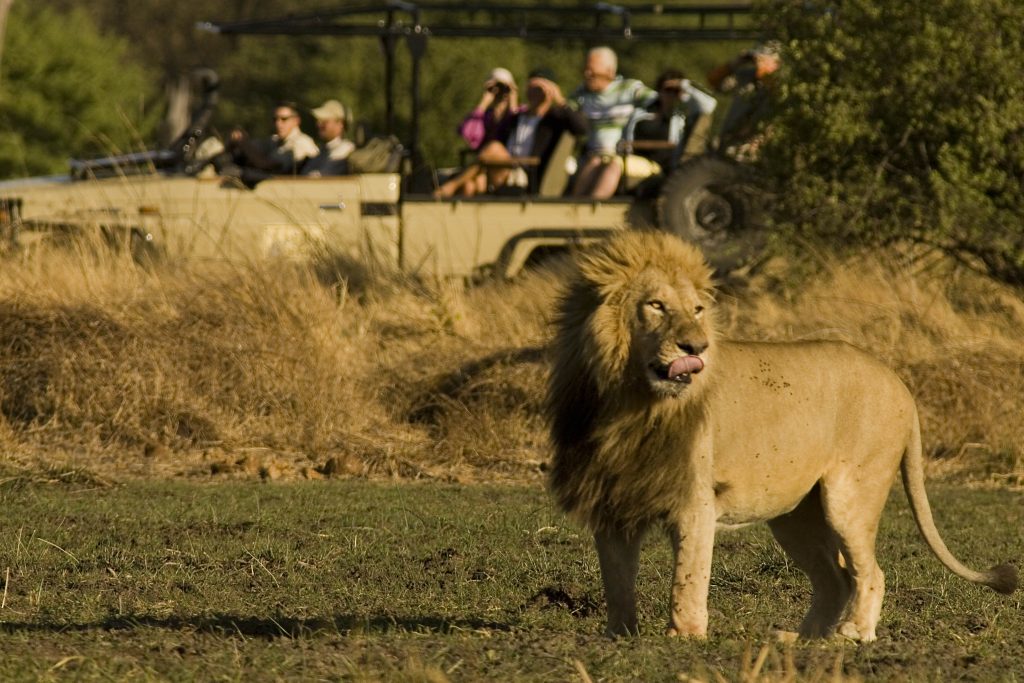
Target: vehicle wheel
[710,201]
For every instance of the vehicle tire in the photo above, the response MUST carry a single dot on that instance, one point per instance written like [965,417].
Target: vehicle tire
[711,201]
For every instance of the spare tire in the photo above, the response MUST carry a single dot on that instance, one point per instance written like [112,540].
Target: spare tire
[710,201]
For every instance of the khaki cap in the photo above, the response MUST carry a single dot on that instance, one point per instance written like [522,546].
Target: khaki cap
[331,109]
[502,75]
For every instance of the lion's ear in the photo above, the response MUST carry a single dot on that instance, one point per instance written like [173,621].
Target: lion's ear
[602,277]
[608,339]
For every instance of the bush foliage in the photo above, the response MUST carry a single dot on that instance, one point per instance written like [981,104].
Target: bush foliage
[68,91]
[900,121]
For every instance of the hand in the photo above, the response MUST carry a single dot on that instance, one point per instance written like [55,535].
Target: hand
[487,97]
[236,138]
[513,97]
[552,93]
[728,84]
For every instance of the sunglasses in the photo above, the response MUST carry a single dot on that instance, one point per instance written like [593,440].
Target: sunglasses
[284,118]
[672,90]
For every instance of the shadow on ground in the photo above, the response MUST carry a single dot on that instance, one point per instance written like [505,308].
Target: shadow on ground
[268,627]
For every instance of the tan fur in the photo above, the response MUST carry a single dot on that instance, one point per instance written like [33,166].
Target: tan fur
[805,436]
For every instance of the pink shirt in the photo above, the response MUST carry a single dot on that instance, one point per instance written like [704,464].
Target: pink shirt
[480,127]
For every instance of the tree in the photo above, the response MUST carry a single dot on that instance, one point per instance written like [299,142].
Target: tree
[902,121]
[67,90]
[171,53]
[5,9]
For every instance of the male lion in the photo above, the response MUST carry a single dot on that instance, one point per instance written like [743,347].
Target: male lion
[654,419]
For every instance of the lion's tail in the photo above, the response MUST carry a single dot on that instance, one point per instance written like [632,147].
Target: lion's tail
[1001,578]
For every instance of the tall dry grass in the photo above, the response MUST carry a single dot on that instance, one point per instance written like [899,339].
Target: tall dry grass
[276,369]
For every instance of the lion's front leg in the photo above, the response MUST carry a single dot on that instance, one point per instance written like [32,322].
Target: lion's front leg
[619,555]
[693,540]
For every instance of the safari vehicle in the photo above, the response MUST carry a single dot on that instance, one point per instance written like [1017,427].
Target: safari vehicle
[159,204]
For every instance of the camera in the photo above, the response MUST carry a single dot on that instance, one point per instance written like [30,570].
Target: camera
[499,89]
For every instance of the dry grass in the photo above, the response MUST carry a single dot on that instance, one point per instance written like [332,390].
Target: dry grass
[278,370]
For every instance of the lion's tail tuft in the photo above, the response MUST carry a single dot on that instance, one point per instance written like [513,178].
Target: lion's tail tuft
[1002,578]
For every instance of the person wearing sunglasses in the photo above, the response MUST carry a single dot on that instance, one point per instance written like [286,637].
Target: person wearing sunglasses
[283,153]
[681,117]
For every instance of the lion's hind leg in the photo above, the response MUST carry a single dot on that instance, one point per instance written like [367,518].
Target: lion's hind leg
[854,516]
[812,544]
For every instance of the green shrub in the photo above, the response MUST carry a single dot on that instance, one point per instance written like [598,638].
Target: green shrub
[67,91]
[902,121]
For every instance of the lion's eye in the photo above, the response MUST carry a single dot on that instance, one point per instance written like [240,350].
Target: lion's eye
[656,305]
[698,311]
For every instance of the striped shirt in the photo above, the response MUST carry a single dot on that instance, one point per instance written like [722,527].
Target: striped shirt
[609,110]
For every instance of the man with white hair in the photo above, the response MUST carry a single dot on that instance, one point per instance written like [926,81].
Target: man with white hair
[607,100]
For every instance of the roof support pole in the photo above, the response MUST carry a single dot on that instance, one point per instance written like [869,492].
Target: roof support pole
[387,43]
[417,41]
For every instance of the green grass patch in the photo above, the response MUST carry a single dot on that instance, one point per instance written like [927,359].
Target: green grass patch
[355,581]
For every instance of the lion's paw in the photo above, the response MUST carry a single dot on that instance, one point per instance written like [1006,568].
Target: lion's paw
[848,629]
[785,637]
[686,632]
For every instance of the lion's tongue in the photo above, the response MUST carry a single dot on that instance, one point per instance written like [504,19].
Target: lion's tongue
[685,365]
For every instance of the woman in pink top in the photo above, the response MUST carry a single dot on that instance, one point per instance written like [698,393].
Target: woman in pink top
[492,116]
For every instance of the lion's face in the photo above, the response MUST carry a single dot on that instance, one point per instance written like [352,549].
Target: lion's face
[633,318]
[670,336]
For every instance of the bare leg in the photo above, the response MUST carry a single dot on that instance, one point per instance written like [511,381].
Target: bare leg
[814,547]
[619,555]
[586,176]
[494,152]
[607,181]
[463,183]
[478,186]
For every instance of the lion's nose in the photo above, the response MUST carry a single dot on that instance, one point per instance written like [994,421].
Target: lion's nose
[692,348]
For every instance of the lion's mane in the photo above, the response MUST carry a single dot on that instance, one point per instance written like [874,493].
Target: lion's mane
[601,418]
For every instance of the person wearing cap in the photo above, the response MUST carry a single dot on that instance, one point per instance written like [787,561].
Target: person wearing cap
[750,78]
[534,132]
[490,118]
[608,101]
[331,118]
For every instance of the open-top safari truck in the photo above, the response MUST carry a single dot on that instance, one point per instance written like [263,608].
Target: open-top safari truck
[159,204]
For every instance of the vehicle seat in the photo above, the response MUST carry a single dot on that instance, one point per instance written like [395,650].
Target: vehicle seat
[630,145]
[555,179]
[556,175]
